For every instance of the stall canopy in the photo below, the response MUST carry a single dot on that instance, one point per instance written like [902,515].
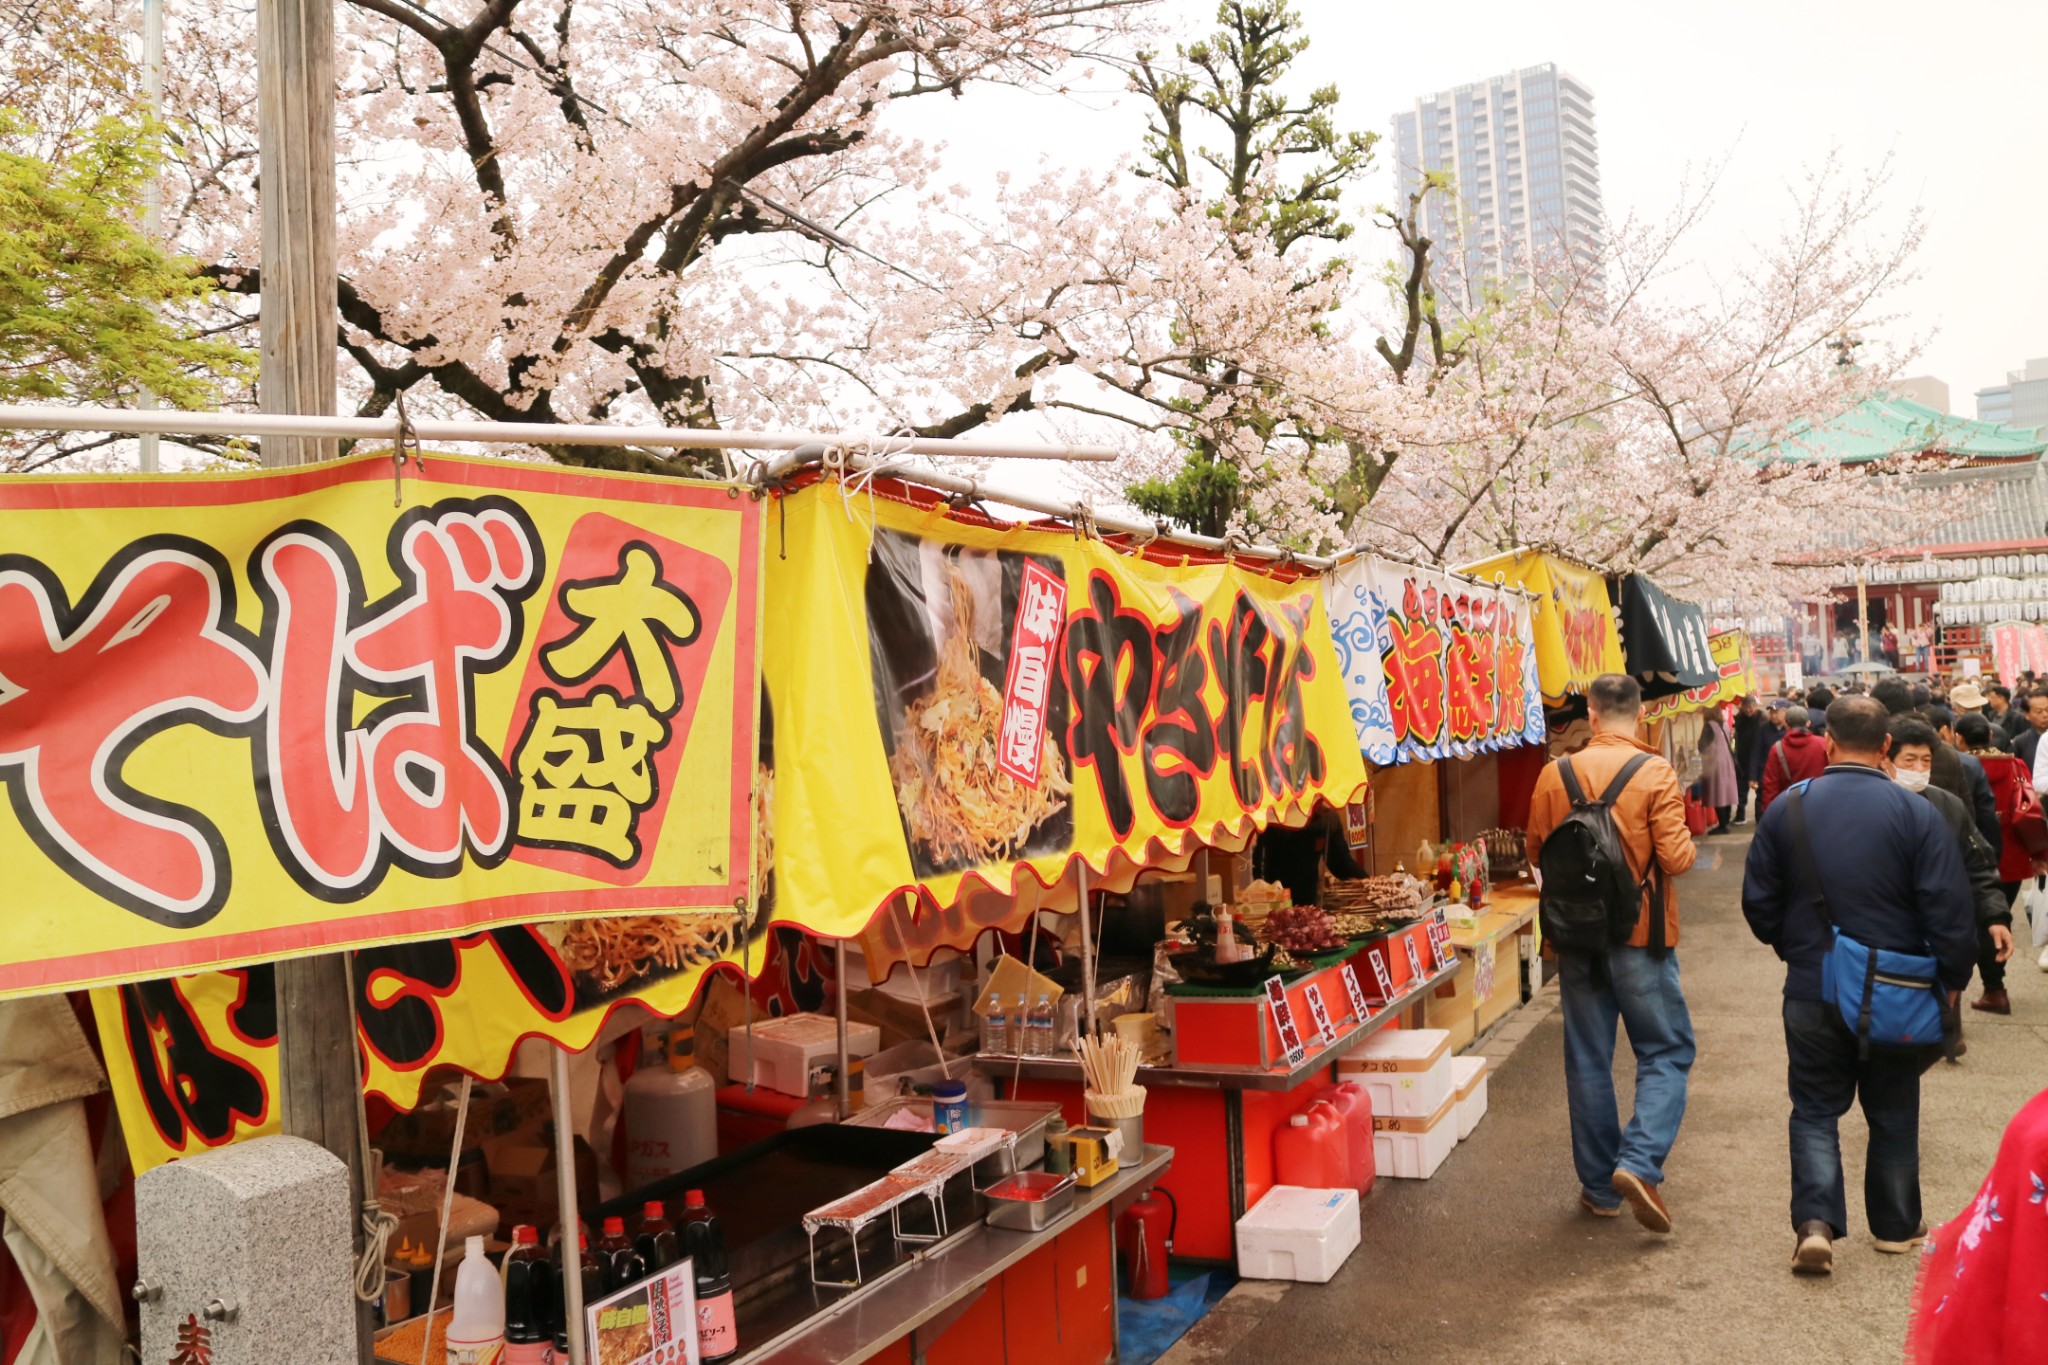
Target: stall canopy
[1577,637]
[303,719]
[1735,678]
[954,712]
[1664,639]
[959,706]
[1435,666]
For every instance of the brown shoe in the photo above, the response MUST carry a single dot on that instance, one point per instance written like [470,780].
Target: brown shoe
[1598,1210]
[1900,1248]
[1815,1253]
[1993,1002]
[1642,1197]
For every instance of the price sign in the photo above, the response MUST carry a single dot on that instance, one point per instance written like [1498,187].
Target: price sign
[1414,958]
[1384,977]
[1359,1009]
[1319,1013]
[1440,940]
[1283,1020]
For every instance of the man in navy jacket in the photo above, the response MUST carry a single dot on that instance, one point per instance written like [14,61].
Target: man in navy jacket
[1894,879]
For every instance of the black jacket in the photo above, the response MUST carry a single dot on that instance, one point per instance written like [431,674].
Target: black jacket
[1980,860]
[2024,744]
[1963,777]
[1748,731]
[1892,870]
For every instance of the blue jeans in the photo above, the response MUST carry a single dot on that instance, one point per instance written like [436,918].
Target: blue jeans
[1823,1074]
[1643,993]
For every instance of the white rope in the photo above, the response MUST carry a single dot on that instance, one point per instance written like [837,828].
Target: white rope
[378,1222]
[447,1211]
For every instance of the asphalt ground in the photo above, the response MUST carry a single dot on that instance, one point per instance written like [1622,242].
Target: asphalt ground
[1492,1260]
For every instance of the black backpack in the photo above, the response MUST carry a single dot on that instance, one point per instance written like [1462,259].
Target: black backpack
[1590,899]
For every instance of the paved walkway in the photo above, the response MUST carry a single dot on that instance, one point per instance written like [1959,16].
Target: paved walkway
[1491,1260]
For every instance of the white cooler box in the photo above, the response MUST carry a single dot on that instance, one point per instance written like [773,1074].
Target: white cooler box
[1297,1234]
[1406,1070]
[1468,1091]
[787,1050]
[1412,1148]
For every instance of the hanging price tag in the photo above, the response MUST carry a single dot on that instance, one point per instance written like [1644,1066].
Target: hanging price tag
[1319,1013]
[1283,1021]
[1414,957]
[1359,1009]
[1440,940]
[1382,975]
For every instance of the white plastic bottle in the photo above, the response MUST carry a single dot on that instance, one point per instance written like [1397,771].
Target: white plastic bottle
[995,1028]
[1020,1027]
[476,1332]
[1042,1027]
[671,1116]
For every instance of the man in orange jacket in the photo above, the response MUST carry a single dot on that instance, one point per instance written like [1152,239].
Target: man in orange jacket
[1635,983]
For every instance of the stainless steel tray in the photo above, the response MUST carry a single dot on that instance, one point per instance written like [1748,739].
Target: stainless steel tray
[1027,1121]
[1031,1215]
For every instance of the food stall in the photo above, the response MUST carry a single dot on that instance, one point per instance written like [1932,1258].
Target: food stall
[939,629]
[1448,697]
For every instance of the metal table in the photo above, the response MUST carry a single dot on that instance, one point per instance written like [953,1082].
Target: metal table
[926,1293]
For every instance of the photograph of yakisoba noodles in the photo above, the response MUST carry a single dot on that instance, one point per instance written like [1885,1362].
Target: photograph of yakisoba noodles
[608,955]
[957,802]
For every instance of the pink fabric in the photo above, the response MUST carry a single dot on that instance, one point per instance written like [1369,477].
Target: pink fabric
[1982,1298]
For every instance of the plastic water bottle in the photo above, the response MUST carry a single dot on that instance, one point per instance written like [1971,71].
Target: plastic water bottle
[1040,1029]
[476,1333]
[1020,1027]
[995,1029]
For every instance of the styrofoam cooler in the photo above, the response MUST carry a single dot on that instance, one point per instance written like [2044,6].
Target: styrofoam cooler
[1468,1092]
[1412,1148]
[1298,1234]
[1406,1071]
[785,1051]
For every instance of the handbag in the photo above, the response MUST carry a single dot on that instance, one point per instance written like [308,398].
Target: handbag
[2029,820]
[1697,817]
[1887,999]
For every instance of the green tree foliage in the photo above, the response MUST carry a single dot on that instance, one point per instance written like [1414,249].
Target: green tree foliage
[1279,165]
[91,310]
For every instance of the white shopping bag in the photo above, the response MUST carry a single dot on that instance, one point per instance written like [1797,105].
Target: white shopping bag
[2032,908]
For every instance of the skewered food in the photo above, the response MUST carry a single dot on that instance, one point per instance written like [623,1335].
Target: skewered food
[1302,930]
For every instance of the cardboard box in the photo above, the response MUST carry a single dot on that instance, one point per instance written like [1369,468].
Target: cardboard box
[1298,1234]
[1407,1071]
[422,1137]
[900,1020]
[1412,1148]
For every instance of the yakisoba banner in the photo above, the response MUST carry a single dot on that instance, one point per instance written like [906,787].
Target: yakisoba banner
[956,705]
[1735,668]
[244,717]
[1572,616]
[1435,666]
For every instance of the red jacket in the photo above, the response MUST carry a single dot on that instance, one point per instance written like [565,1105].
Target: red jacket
[1799,755]
[2007,773]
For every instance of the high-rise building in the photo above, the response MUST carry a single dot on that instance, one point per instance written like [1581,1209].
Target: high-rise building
[2021,401]
[1524,165]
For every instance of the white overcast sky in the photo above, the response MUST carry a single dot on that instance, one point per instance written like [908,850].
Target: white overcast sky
[1952,93]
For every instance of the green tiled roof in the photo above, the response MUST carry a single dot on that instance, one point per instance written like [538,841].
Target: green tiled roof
[1885,426]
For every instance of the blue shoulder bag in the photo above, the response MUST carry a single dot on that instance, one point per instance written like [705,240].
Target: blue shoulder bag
[1887,999]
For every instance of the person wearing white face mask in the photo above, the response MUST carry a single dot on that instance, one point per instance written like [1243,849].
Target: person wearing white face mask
[1912,766]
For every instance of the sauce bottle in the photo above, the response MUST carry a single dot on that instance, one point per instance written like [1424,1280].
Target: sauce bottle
[655,1239]
[718,1335]
[529,1299]
[476,1330]
[616,1257]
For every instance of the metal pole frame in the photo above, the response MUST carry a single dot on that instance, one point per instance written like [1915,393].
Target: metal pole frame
[565,1195]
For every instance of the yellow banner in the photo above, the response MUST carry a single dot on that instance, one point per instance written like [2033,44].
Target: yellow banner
[193,1060]
[957,706]
[247,717]
[1736,665]
[1577,638]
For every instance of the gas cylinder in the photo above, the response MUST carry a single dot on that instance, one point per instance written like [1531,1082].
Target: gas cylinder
[1145,1237]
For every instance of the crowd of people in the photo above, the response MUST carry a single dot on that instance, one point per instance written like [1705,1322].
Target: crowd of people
[1898,830]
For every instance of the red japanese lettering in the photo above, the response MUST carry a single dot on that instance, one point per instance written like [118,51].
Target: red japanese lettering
[152,645]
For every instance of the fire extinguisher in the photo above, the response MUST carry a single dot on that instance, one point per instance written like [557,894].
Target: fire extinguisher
[1145,1234]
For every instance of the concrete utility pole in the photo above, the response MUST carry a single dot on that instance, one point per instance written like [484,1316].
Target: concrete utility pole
[295,140]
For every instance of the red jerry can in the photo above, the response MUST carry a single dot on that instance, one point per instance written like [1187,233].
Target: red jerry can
[1144,1238]
[1354,1104]
[1313,1151]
